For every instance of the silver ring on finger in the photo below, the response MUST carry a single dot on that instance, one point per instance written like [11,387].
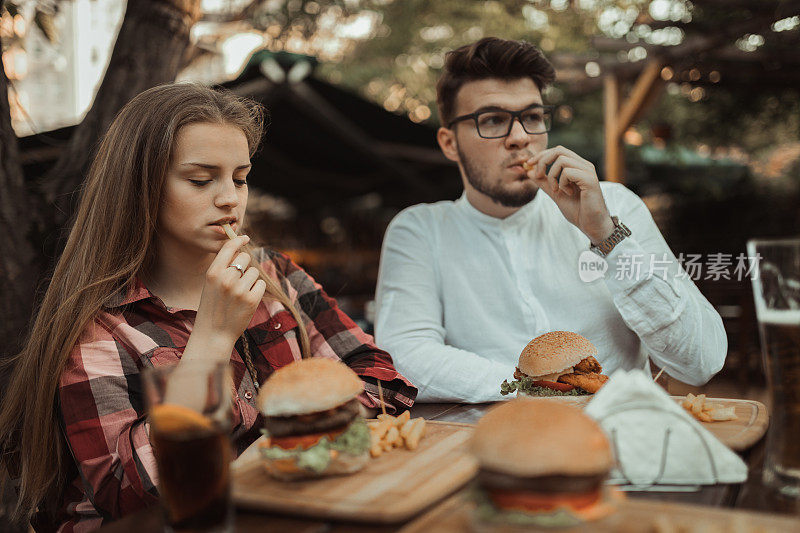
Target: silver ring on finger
[240,268]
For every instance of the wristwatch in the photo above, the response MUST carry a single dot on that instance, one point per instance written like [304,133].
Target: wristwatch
[621,231]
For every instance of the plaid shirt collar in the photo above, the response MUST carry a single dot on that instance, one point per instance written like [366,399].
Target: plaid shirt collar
[137,292]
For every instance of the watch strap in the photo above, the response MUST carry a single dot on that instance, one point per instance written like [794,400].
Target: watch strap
[604,247]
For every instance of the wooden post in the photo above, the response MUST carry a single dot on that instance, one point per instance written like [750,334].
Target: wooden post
[619,117]
[642,95]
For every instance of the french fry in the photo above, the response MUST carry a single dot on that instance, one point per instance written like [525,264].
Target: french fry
[404,417]
[414,436]
[392,436]
[706,411]
[389,432]
[381,428]
[703,416]
[723,413]
[229,231]
[407,427]
[697,405]
[376,449]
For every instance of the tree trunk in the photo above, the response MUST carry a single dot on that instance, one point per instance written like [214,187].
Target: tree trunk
[150,49]
[20,268]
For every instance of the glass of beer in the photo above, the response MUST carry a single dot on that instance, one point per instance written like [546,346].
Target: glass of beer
[190,419]
[776,290]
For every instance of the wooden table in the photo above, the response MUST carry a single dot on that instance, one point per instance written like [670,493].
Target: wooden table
[752,494]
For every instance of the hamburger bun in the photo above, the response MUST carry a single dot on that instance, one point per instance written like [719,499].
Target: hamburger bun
[528,437]
[308,386]
[554,352]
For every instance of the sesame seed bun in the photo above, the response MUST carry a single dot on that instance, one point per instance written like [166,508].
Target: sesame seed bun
[529,437]
[308,386]
[554,352]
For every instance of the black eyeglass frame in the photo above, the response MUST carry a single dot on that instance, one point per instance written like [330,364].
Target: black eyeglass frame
[515,116]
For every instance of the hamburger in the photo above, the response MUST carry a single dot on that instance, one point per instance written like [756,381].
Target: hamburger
[558,363]
[541,463]
[314,424]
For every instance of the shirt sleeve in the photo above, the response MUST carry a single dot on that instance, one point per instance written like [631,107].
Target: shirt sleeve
[658,301]
[334,334]
[409,321]
[105,426]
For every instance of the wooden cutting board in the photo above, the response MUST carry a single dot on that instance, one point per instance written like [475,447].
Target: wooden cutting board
[391,488]
[738,435]
[455,515]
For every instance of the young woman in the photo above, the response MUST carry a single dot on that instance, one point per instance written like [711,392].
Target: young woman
[149,278]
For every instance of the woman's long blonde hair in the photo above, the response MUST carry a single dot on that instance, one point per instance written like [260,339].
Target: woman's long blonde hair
[111,242]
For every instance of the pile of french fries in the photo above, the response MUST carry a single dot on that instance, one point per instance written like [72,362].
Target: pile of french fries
[389,432]
[705,411]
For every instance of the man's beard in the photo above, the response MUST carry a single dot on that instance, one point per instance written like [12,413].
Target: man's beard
[497,191]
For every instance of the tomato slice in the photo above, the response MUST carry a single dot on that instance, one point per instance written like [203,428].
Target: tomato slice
[533,501]
[304,441]
[555,385]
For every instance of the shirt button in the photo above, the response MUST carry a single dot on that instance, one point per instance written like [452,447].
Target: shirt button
[277,325]
[248,395]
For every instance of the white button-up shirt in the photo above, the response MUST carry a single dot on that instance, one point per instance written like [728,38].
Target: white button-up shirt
[461,293]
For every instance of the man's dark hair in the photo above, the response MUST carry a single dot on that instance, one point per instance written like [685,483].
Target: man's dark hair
[489,58]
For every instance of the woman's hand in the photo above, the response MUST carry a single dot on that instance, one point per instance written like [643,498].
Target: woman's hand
[230,296]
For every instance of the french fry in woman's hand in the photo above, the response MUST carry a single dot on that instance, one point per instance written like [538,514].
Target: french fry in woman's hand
[229,231]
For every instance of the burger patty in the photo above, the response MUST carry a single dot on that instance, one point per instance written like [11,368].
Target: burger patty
[282,426]
[549,484]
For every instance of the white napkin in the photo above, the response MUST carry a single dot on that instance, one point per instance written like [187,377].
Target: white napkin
[636,414]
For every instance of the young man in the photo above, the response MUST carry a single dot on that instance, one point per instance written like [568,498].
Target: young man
[465,285]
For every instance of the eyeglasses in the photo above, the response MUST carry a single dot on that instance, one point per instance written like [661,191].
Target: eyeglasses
[496,123]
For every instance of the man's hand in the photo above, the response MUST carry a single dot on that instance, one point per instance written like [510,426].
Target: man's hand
[572,183]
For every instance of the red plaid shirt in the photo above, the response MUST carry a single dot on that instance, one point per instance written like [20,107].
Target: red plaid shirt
[113,472]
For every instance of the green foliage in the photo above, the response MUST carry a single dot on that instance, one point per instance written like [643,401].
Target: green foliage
[399,67]
[756,121]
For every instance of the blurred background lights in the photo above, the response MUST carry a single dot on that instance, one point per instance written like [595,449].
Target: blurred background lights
[750,42]
[697,94]
[237,49]
[786,24]
[592,69]
[633,137]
